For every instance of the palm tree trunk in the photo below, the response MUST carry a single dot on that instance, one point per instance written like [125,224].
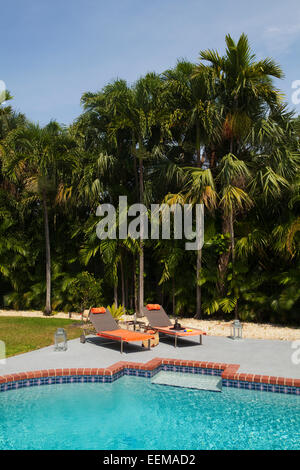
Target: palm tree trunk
[131,296]
[198,287]
[224,257]
[135,174]
[232,236]
[198,159]
[198,146]
[233,257]
[199,252]
[141,281]
[122,283]
[48,308]
[116,295]
[136,295]
[141,264]
[212,159]
[173,296]
[126,292]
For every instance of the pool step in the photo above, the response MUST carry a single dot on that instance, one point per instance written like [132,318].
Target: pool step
[186,380]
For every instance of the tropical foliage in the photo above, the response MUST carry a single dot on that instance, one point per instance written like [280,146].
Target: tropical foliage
[217,133]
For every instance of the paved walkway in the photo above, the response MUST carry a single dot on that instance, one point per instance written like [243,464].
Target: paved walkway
[254,355]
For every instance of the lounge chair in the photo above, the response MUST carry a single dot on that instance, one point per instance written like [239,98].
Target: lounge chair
[159,321]
[106,327]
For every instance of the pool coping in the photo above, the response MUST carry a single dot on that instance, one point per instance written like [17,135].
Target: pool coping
[228,373]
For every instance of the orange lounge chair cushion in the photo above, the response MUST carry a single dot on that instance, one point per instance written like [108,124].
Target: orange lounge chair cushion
[168,330]
[125,335]
[153,307]
[98,310]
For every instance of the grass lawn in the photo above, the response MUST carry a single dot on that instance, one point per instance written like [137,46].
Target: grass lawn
[26,334]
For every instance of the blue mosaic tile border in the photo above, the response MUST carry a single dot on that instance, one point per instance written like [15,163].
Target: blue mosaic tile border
[191,370]
[56,380]
[262,387]
[147,374]
[104,378]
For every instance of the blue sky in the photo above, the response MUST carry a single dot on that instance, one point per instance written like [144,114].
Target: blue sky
[53,51]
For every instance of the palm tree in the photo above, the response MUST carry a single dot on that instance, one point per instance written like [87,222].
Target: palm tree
[112,252]
[147,118]
[245,93]
[138,110]
[201,190]
[193,108]
[191,101]
[233,177]
[38,157]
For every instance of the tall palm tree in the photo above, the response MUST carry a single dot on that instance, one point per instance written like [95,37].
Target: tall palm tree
[201,190]
[148,118]
[38,157]
[192,107]
[233,177]
[191,103]
[246,93]
[140,111]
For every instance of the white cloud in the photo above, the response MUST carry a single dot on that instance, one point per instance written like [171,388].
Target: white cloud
[280,38]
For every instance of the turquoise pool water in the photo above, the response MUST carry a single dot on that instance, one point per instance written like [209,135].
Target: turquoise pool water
[132,413]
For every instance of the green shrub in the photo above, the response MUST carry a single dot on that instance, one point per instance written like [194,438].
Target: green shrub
[85,291]
[116,312]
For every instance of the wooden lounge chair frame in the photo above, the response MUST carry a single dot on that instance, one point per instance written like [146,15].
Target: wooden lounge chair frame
[159,321]
[105,326]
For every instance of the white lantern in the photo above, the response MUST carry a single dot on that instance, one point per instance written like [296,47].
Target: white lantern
[236,330]
[60,339]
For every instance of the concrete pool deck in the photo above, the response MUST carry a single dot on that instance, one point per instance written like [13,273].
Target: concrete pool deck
[265,357]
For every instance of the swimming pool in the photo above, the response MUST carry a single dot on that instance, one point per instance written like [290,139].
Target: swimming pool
[132,413]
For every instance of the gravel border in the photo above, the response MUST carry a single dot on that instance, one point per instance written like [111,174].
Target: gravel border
[211,327]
